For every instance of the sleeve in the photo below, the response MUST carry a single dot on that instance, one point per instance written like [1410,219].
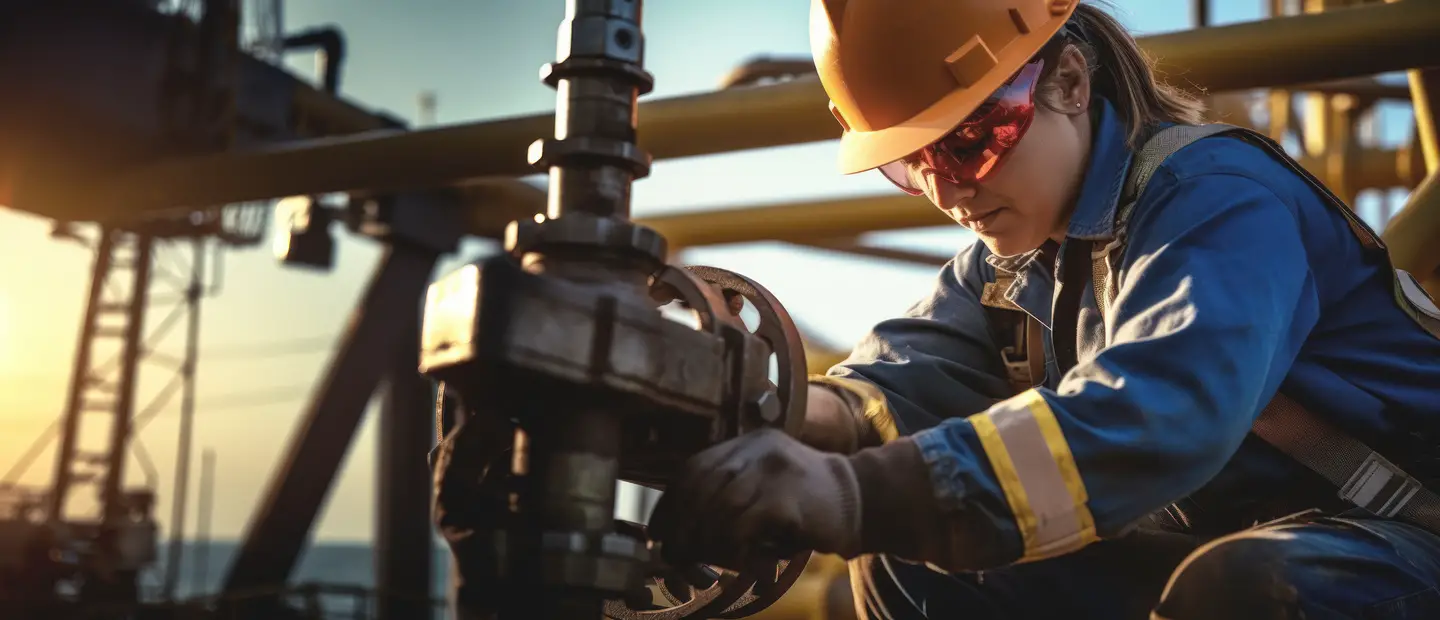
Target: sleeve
[1215,299]
[937,361]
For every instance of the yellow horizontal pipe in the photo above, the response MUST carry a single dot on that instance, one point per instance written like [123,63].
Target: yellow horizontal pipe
[820,360]
[1413,234]
[796,222]
[1339,43]
[1332,45]
[820,220]
[763,68]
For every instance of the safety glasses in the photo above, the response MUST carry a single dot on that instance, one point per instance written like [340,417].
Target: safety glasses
[977,147]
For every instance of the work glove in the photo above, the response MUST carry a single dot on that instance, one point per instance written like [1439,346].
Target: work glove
[469,467]
[757,498]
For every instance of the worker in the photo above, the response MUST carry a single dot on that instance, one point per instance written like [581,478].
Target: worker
[1087,417]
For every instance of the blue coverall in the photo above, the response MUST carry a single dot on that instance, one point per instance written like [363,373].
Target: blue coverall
[1237,279]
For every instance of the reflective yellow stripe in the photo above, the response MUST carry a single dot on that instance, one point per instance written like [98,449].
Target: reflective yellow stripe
[877,413]
[1037,472]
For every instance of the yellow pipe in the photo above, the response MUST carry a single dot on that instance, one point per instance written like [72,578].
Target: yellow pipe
[762,68]
[765,67]
[818,223]
[1341,43]
[823,220]
[1424,92]
[1332,45]
[797,222]
[1414,233]
[498,201]
[856,249]
[819,360]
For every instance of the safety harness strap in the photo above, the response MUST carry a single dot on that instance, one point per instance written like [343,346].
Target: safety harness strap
[1363,476]
[1022,338]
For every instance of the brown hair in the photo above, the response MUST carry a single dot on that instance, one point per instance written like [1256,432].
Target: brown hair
[1122,73]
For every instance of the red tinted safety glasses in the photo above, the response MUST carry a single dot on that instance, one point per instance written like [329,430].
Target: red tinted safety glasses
[978,145]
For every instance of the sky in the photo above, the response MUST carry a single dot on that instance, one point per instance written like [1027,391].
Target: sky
[266,333]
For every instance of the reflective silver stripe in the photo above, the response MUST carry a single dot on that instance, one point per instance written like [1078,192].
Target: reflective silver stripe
[1038,474]
[1416,295]
[1379,486]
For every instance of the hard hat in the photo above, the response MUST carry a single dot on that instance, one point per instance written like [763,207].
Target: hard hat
[902,73]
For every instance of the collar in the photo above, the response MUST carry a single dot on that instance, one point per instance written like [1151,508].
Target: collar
[1110,155]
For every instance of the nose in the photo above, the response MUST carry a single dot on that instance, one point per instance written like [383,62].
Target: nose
[947,195]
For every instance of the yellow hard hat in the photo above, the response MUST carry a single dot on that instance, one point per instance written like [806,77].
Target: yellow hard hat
[902,73]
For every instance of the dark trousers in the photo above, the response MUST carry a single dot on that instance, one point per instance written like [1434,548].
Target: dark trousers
[1311,567]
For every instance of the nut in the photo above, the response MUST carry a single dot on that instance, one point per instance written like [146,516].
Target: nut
[766,406]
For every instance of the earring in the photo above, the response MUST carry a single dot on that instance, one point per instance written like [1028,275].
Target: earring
[1077,104]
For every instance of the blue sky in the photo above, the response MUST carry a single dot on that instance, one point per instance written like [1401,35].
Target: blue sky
[481,57]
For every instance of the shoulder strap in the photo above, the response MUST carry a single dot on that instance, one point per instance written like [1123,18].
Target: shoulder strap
[1363,476]
[1146,161]
[1407,290]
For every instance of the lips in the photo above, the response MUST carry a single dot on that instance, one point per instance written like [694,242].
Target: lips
[979,221]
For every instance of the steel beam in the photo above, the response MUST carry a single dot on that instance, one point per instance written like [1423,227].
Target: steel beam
[281,526]
[79,381]
[1337,44]
[403,543]
[116,509]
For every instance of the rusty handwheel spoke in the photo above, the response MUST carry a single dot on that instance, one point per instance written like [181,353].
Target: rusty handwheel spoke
[780,332]
[703,591]
[681,585]
[686,599]
[768,588]
[695,591]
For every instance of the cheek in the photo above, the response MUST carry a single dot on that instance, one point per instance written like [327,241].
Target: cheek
[1033,177]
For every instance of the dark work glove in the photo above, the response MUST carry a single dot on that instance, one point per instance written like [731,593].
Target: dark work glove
[756,498]
[470,465]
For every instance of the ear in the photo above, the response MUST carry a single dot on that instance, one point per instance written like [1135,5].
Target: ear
[1070,82]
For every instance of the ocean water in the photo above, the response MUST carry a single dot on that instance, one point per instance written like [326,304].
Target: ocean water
[335,564]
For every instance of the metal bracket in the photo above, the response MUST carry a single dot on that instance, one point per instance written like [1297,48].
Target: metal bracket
[1379,486]
[1017,371]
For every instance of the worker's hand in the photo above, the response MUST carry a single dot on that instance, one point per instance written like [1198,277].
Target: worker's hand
[831,424]
[757,498]
[470,466]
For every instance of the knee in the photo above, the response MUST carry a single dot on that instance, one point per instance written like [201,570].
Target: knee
[1239,577]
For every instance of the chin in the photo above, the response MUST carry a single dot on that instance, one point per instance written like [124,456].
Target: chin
[1007,245]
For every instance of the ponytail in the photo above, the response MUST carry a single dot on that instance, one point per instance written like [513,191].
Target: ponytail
[1124,75]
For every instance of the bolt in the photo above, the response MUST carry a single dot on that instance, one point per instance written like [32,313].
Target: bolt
[766,406]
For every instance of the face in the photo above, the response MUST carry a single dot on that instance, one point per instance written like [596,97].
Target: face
[1026,195]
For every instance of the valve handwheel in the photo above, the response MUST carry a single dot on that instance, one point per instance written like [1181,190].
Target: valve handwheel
[705,591]
[778,330]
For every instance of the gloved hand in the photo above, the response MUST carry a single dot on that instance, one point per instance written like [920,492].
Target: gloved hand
[757,498]
[469,467]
